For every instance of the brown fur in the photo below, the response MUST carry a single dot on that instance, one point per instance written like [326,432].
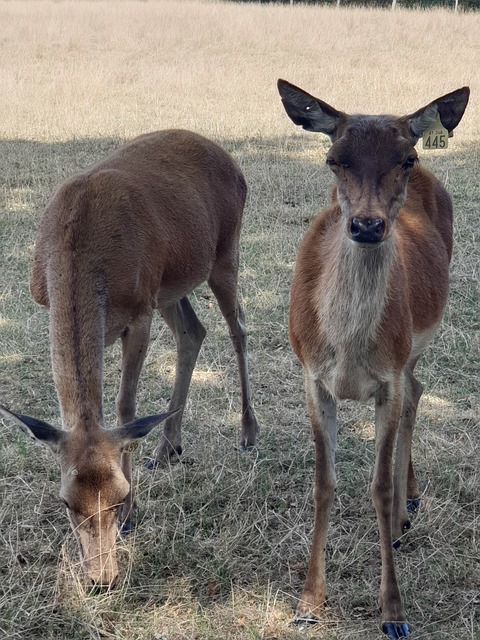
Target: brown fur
[136,232]
[369,289]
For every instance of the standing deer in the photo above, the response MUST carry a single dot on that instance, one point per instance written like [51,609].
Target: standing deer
[368,292]
[136,232]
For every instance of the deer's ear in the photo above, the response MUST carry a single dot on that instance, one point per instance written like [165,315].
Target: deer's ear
[449,107]
[132,431]
[309,112]
[41,431]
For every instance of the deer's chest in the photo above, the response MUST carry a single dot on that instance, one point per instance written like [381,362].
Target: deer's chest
[347,374]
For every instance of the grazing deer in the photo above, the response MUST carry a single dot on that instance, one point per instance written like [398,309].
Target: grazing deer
[136,232]
[368,293]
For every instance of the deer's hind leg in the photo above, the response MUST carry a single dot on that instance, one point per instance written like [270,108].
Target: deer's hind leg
[223,283]
[189,333]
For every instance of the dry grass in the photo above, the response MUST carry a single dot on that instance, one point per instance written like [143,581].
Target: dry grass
[222,540]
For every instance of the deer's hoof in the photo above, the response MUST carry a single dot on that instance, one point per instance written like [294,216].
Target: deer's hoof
[124,528]
[413,505]
[396,630]
[153,464]
[304,619]
[405,526]
[245,447]
[164,460]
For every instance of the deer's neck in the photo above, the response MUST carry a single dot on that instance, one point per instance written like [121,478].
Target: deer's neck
[77,321]
[356,291]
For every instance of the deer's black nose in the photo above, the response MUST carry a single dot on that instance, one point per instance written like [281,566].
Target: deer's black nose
[367,230]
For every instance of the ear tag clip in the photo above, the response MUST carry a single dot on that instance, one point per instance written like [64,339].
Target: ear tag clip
[132,447]
[436,136]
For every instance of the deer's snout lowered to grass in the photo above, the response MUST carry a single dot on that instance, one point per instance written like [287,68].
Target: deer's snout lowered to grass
[136,232]
[368,292]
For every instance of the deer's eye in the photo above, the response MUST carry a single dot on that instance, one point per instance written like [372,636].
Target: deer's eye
[409,162]
[333,163]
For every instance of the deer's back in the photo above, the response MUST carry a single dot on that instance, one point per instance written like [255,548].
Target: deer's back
[154,214]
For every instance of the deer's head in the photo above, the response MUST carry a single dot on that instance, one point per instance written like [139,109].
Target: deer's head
[93,485]
[372,157]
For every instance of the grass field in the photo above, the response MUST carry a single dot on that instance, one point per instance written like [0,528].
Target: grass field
[222,539]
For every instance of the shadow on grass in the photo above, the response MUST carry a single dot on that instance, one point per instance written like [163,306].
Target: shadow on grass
[221,527]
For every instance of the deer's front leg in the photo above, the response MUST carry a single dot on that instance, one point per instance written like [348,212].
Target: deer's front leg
[388,405]
[189,333]
[322,411]
[406,498]
[134,349]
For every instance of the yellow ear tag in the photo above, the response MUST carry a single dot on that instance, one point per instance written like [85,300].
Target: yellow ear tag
[132,447]
[436,136]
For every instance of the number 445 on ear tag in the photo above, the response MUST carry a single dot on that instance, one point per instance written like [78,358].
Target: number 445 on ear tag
[436,136]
